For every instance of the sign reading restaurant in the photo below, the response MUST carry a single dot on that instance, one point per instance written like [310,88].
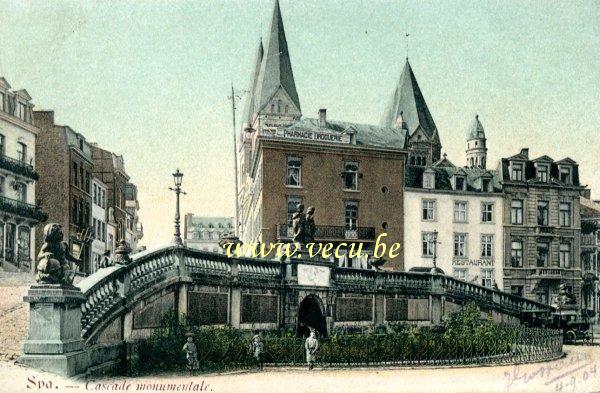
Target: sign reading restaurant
[317,136]
[473,262]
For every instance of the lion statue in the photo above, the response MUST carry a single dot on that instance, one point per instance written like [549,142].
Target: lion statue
[54,258]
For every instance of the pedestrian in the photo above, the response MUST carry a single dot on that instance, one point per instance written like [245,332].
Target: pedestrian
[258,349]
[191,354]
[311,345]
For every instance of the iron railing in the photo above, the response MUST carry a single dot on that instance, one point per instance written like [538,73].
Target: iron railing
[22,209]
[331,232]
[20,167]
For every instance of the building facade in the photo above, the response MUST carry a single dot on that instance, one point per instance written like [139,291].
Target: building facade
[204,233]
[590,250]
[542,230]
[65,185]
[134,230]
[455,216]
[352,174]
[18,176]
[99,216]
[109,168]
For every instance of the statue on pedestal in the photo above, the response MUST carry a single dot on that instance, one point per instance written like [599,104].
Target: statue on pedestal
[55,258]
[303,225]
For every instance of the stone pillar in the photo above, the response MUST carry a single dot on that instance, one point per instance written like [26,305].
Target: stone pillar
[182,300]
[54,341]
[379,309]
[435,309]
[235,307]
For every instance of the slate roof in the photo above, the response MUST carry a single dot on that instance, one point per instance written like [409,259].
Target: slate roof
[443,177]
[364,134]
[276,68]
[408,101]
[250,102]
[476,130]
[530,172]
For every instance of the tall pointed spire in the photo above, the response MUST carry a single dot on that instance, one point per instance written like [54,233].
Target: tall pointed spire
[250,102]
[276,70]
[408,104]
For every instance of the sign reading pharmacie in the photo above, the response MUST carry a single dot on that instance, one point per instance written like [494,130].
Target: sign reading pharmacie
[317,136]
[473,262]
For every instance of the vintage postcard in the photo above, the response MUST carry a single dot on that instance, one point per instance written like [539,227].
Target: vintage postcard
[299,196]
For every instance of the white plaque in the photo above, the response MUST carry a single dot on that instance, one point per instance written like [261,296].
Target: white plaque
[314,276]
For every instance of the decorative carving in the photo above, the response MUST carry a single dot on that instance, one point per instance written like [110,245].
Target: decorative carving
[54,258]
[106,260]
[303,225]
[122,252]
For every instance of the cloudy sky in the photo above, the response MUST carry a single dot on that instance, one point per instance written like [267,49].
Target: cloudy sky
[150,79]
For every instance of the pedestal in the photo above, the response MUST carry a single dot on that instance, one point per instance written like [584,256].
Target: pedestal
[54,341]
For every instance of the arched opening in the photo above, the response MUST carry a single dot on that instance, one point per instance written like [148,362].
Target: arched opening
[310,316]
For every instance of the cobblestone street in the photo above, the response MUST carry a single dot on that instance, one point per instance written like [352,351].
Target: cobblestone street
[13,313]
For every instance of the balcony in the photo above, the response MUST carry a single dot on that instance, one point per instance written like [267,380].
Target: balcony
[588,240]
[544,230]
[329,232]
[17,166]
[548,273]
[22,209]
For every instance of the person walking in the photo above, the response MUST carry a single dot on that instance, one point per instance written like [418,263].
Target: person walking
[258,349]
[311,345]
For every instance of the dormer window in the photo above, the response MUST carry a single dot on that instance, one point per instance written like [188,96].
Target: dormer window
[542,173]
[22,111]
[516,172]
[460,183]
[429,179]
[566,175]
[486,185]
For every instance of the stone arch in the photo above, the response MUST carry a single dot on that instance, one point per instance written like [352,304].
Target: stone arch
[311,314]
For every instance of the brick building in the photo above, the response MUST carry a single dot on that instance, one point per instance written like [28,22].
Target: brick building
[19,213]
[351,173]
[590,250]
[110,169]
[65,185]
[542,230]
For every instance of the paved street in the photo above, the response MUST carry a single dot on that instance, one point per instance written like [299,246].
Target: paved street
[13,313]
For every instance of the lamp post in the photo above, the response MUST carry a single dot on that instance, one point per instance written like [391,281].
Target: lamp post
[435,243]
[177,178]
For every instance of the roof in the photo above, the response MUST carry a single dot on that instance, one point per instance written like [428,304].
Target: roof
[364,134]
[408,104]
[196,222]
[443,177]
[73,139]
[444,161]
[476,130]
[276,68]
[589,209]
[543,158]
[250,102]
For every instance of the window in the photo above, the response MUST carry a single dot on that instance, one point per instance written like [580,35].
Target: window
[2,145]
[516,212]
[460,245]
[564,214]
[542,254]
[542,173]
[81,181]
[487,279]
[22,152]
[95,225]
[22,191]
[1,191]
[87,181]
[22,111]
[351,175]
[487,212]
[2,98]
[292,207]
[542,213]
[459,183]
[486,185]
[428,210]
[351,214]
[517,290]
[23,244]
[428,180]
[516,172]
[487,246]
[74,172]
[516,254]
[428,243]
[293,174]
[565,175]
[460,274]
[565,255]
[460,211]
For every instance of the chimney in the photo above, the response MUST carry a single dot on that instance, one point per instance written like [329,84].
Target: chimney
[587,193]
[322,117]
[525,151]
[41,118]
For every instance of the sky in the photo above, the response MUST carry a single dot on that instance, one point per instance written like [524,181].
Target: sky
[150,79]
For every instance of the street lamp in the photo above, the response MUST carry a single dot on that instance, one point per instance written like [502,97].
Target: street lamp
[435,243]
[177,178]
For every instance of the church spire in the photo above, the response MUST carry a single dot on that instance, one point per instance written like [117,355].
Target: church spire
[276,69]
[476,145]
[409,104]
[250,102]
